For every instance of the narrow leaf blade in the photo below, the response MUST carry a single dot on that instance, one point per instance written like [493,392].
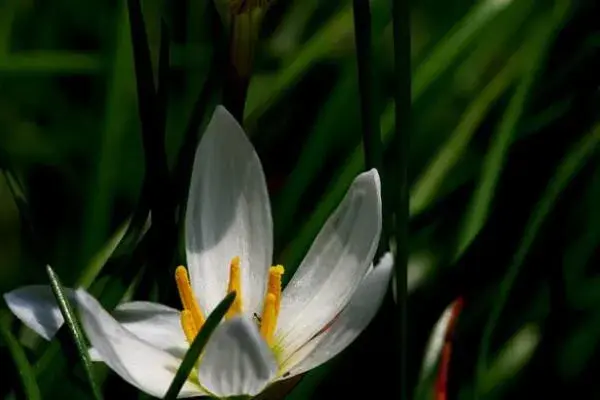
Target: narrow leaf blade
[26,372]
[74,328]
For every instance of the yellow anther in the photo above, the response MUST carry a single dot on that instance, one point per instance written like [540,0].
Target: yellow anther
[188,300]
[189,327]
[274,285]
[269,319]
[271,305]
[235,285]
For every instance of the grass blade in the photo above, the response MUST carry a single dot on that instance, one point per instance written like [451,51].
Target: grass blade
[369,105]
[164,64]
[566,171]
[26,373]
[425,190]
[364,53]
[402,112]
[152,124]
[74,328]
[501,141]
[198,345]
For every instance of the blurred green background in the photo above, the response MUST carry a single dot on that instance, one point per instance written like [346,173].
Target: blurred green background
[503,173]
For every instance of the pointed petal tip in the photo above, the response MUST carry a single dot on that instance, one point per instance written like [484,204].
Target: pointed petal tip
[224,116]
[370,178]
[36,307]
[222,112]
[228,214]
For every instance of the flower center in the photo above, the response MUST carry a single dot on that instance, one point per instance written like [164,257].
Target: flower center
[192,318]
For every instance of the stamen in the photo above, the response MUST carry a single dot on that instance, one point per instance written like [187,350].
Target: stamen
[235,285]
[269,318]
[188,299]
[274,285]
[189,327]
[272,303]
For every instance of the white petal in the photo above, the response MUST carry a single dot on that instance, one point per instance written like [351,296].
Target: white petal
[36,307]
[157,324]
[139,363]
[228,215]
[237,361]
[351,322]
[334,266]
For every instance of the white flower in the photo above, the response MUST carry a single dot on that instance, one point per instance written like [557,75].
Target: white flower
[267,335]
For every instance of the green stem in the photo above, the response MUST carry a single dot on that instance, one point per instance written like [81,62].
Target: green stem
[371,131]
[402,97]
[74,329]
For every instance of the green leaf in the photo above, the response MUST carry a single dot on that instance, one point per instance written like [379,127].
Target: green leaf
[403,125]
[26,373]
[74,328]
[95,266]
[191,357]
[366,84]
[428,184]
[565,173]
[369,101]
[451,46]
[494,160]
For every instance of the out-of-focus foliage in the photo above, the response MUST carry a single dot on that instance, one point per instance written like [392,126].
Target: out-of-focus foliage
[503,173]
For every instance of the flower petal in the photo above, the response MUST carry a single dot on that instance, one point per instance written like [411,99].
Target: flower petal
[157,324]
[36,307]
[139,363]
[334,266]
[237,361]
[228,215]
[351,322]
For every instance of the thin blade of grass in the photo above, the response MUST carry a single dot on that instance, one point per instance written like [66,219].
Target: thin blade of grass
[149,113]
[369,119]
[425,189]
[451,46]
[26,372]
[402,112]
[74,329]
[369,105]
[191,357]
[492,166]
[98,261]
[567,170]
[164,68]
[572,163]
[311,159]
